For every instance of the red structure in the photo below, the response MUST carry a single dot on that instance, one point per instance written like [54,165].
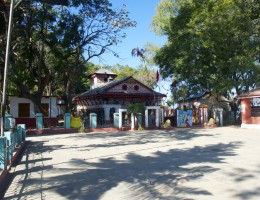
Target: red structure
[250,109]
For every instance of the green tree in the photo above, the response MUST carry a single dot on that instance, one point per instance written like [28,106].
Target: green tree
[165,10]
[146,76]
[141,73]
[212,45]
[52,44]
[83,84]
[135,109]
[122,70]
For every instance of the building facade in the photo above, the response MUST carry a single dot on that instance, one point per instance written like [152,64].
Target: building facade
[22,110]
[108,96]
[250,109]
[205,105]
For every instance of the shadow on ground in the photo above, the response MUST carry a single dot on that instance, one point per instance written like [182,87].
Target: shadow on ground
[146,177]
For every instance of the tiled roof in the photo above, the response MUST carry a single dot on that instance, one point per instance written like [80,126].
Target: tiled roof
[104,71]
[250,94]
[103,91]
[197,96]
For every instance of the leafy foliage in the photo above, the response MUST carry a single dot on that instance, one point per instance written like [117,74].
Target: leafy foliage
[52,44]
[212,45]
[141,73]
[136,108]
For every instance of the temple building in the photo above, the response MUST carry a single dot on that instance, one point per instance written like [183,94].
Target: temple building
[108,96]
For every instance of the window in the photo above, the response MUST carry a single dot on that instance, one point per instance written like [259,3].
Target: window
[23,110]
[255,107]
[136,87]
[45,109]
[124,87]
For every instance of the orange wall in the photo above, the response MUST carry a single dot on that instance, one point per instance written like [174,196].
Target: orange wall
[246,113]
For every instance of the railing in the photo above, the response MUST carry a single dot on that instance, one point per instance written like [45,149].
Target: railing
[50,122]
[100,123]
[106,123]
[10,143]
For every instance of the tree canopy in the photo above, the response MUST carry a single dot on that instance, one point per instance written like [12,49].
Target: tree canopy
[142,73]
[51,44]
[212,45]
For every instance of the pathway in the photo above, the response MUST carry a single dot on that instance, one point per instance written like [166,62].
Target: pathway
[219,163]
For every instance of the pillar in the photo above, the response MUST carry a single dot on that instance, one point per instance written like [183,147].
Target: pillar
[39,121]
[202,116]
[157,119]
[10,145]
[139,118]
[67,120]
[120,121]
[146,118]
[120,125]
[221,117]
[23,127]
[93,120]
[132,122]
[19,135]
[162,114]
[8,122]
[218,115]
[205,114]
[3,161]
[246,111]
[116,120]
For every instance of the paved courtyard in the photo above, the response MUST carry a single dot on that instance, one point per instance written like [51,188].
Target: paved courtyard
[182,164]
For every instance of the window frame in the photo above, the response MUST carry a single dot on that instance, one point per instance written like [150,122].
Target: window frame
[24,110]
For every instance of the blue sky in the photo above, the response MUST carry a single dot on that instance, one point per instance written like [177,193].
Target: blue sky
[142,12]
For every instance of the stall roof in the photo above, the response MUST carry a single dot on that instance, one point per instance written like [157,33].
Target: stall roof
[254,93]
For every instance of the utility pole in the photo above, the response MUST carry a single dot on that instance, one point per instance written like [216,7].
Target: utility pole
[9,33]
[3,103]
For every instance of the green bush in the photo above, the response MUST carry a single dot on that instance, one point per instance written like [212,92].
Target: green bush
[136,108]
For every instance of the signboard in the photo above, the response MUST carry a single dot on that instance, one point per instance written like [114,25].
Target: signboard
[256,102]
[184,118]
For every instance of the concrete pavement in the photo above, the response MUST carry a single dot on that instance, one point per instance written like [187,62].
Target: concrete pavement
[218,163]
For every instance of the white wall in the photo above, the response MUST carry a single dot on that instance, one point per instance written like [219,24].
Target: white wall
[14,102]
